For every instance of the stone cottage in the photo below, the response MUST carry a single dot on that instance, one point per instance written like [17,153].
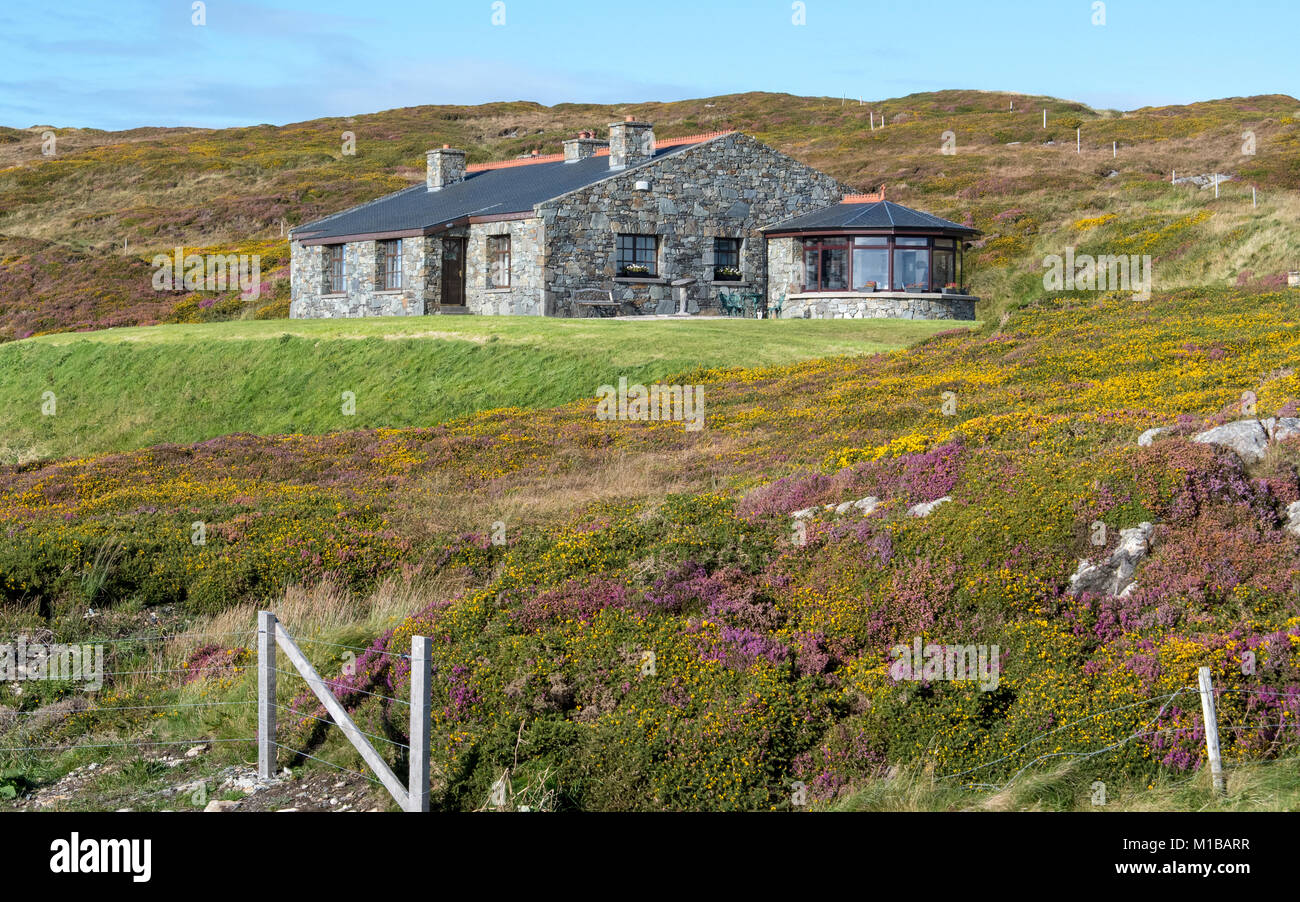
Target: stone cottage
[631,225]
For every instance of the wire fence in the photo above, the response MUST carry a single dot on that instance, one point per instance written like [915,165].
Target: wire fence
[343,688]
[125,648]
[1142,733]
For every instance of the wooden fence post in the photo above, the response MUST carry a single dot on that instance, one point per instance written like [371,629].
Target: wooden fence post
[417,788]
[1211,729]
[266,626]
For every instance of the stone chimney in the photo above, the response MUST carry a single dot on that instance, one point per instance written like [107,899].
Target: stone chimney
[582,147]
[630,143]
[444,167]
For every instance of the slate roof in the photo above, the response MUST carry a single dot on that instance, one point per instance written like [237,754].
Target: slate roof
[515,189]
[880,215]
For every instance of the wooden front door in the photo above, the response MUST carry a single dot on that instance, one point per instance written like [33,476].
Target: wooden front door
[453,272]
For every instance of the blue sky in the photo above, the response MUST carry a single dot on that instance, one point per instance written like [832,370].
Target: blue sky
[124,63]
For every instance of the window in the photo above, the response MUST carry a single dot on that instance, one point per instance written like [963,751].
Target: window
[881,263]
[498,261]
[389,272]
[335,271]
[726,259]
[826,266]
[870,263]
[638,256]
[911,264]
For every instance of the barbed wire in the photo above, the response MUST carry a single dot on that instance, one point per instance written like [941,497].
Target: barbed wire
[330,763]
[113,745]
[1043,736]
[394,654]
[101,709]
[332,685]
[335,723]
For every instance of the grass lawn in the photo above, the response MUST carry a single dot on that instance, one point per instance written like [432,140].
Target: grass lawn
[127,388]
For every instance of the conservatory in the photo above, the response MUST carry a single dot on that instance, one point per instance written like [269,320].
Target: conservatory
[868,257]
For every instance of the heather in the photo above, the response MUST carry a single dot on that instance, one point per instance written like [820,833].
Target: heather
[653,634]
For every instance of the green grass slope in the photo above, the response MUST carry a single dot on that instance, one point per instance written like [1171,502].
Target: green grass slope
[129,388]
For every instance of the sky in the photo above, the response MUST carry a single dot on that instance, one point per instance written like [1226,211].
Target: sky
[118,64]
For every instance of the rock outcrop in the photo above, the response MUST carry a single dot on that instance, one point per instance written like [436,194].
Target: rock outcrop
[1114,575]
[864,506]
[925,508]
[1292,524]
[1250,438]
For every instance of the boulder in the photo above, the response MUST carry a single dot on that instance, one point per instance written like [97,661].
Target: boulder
[1250,438]
[1146,438]
[1293,518]
[862,505]
[1114,575]
[925,508]
[867,505]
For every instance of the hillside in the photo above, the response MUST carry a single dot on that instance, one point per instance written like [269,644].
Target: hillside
[77,231]
[771,649]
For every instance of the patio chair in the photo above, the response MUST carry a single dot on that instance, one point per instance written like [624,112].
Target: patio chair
[774,310]
[728,302]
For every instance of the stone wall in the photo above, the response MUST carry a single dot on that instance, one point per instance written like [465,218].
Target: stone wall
[894,305]
[727,187]
[361,263]
[525,296]
[785,271]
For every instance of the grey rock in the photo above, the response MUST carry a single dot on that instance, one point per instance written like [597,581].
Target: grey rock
[867,505]
[1293,518]
[1114,575]
[1146,438]
[925,508]
[1250,438]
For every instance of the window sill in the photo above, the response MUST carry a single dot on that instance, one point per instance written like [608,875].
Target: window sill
[642,280]
[334,294]
[739,283]
[390,291]
[497,290]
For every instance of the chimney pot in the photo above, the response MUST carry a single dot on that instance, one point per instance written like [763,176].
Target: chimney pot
[582,147]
